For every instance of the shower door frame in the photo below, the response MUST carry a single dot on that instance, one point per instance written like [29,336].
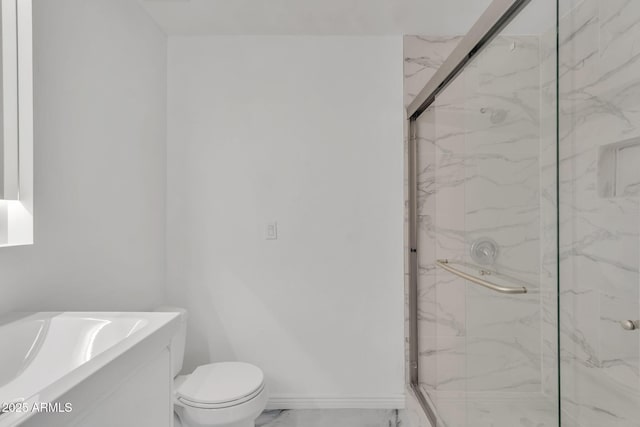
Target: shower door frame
[491,22]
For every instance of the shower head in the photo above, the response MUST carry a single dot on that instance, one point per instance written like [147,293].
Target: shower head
[497,114]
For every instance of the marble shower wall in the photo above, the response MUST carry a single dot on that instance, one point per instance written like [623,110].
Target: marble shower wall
[599,229]
[548,214]
[501,190]
[423,56]
[479,175]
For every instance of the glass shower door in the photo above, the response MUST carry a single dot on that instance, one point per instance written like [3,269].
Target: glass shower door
[487,328]
[529,178]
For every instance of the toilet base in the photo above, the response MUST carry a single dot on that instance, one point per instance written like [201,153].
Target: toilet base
[178,423]
[240,415]
[187,419]
[243,424]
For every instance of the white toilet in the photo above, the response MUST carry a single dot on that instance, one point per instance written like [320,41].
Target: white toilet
[228,394]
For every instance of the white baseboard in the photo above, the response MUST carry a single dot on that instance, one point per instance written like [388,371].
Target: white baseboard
[394,401]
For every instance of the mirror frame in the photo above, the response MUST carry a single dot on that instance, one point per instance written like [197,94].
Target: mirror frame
[9,122]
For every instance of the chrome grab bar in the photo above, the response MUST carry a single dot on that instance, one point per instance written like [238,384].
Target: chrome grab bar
[445,264]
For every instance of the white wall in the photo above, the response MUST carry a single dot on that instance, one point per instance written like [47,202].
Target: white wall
[100,109]
[306,131]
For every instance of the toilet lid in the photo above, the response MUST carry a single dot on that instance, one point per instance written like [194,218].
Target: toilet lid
[221,382]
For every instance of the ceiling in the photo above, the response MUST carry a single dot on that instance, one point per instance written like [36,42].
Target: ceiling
[319,17]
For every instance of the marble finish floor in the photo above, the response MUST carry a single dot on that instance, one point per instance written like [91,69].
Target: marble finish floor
[333,418]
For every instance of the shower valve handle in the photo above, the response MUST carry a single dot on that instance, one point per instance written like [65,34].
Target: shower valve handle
[630,325]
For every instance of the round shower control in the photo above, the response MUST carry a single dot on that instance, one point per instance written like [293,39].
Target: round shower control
[484,251]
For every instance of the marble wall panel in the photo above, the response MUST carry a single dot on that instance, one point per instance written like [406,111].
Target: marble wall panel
[599,236]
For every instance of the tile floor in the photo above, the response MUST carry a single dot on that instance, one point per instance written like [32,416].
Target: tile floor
[333,418]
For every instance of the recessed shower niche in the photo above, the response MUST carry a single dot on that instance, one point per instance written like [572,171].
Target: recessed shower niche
[618,171]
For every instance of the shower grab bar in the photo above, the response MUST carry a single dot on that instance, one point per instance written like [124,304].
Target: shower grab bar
[445,264]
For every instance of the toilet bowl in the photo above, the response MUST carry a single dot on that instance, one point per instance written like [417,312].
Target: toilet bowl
[226,394]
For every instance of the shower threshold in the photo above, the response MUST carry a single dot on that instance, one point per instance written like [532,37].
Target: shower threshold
[492,409]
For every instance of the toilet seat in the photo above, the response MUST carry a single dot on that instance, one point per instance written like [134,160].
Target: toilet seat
[222,405]
[221,385]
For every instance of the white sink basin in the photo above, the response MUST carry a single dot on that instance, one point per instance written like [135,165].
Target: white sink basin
[43,355]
